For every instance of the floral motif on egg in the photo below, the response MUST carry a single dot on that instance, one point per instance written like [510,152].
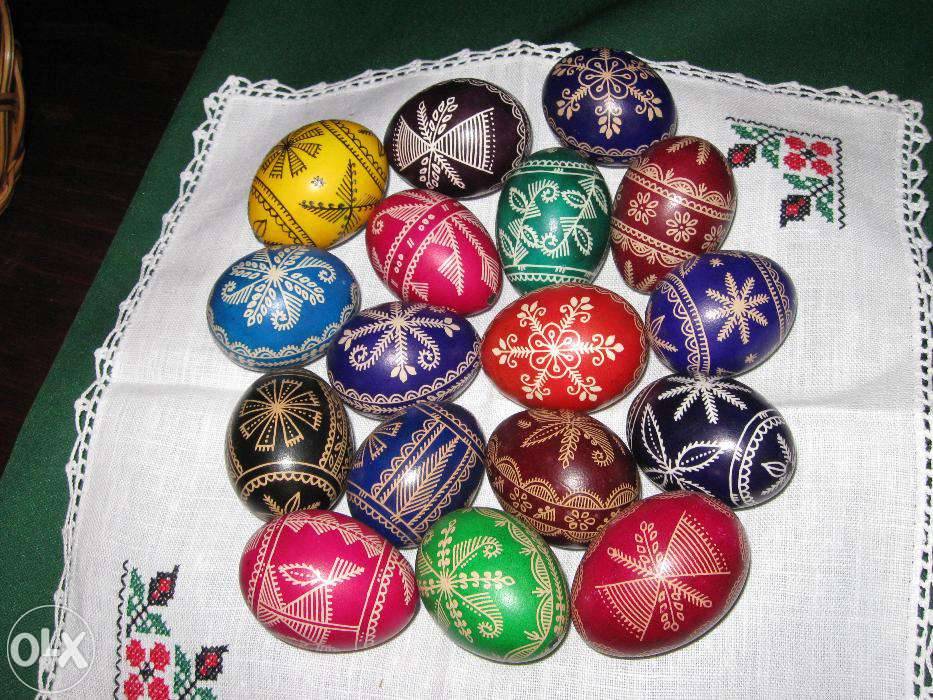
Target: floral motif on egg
[721,313]
[607,104]
[392,355]
[676,200]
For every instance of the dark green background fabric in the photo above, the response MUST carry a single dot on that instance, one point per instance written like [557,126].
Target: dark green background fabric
[867,46]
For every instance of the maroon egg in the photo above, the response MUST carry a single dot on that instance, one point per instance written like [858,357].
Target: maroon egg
[659,575]
[563,473]
[677,200]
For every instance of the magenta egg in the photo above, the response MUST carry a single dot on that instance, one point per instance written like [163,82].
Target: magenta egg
[428,247]
[323,581]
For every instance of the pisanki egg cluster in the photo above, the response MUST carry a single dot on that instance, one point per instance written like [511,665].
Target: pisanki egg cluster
[658,572]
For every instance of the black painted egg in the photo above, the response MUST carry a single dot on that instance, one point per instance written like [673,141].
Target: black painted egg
[459,137]
[289,444]
[714,436]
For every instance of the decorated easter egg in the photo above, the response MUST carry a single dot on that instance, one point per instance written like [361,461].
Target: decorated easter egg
[281,307]
[323,581]
[607,104]
[675,201]
[552,224]
[493,585]
[393,355]
[659,575]
[711,435]
[289,444]
[428,247]
[573,346]
[720,313]
[421,463]
[563,473]
[318,185]
[459,137]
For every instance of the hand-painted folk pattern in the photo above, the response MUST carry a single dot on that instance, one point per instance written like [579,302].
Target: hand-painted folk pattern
[811,164]
[563,473]
[289,444]
[429,247]
[281,307]
[390,356]
[607,104]
[713,436]
[458,137]
[318,185]
[570,346]
[323,581]
[721,313]
[415,467]
[677,200]
[149,663]
[552,221]
[493,585]
[659,575]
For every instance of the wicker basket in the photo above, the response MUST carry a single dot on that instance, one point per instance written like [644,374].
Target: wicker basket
[12,108]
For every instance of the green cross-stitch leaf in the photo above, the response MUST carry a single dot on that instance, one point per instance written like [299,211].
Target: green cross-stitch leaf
[136,595]
[182,670]
[771,150]
[807,184]
[152,623]
[204,694]
[749,132]
[824,205]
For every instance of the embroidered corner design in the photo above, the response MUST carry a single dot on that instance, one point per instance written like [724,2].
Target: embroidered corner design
[810,163]
[149,664]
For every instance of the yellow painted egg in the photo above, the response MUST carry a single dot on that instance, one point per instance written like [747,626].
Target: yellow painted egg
[318,185]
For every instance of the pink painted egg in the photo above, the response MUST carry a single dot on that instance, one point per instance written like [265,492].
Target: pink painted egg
[428,247]
[323,581]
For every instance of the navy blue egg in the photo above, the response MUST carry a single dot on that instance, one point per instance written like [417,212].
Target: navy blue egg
[281,307]
[721,313]
[418,465]
[607,104]
[714,436]
[393,355]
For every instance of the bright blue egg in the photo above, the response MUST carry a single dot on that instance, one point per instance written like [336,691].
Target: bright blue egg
[607,104]
[714,436]
[415,467]
[393,355]
[281,307]
[720,313]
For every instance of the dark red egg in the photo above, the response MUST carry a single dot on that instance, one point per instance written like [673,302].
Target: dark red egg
[659,575]
[571,346]
[677,200]
[564,473]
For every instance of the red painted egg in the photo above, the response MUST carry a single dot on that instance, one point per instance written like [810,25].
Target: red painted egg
[677,200]
[573,346]
[429,247]
[562,472]
[323,581]
[659,575]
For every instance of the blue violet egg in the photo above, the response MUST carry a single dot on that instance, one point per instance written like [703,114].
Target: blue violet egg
[393,355]
[415,467]
[281,307]
[607,104]
[721,313]
[711,435]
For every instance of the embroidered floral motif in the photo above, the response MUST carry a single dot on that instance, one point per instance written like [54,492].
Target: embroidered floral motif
[149,664]
[810,163]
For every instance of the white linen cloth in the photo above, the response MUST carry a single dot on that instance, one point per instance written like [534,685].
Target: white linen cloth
[835,602]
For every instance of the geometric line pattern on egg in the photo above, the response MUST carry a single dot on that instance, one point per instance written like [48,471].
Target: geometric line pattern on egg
[405,506]
[746,450]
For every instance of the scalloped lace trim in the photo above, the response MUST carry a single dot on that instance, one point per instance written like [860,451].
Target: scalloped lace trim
[914,137]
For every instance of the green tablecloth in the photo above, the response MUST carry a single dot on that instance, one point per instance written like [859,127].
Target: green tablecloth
[864,46]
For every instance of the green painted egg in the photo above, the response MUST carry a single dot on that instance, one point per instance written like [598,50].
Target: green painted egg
[493,585]
[552,224]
